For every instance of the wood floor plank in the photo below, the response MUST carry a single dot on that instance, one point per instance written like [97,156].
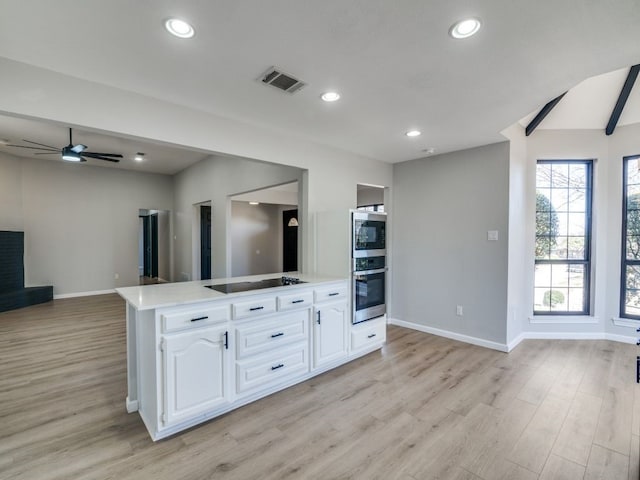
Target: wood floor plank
[605,464]
[423,407]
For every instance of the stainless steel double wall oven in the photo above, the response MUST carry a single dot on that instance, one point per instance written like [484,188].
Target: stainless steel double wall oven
[369,265]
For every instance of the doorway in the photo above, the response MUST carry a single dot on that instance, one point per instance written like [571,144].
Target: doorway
[290,240]
[153,246]
[205,242]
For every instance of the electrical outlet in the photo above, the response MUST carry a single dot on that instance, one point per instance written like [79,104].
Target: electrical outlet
[459,310]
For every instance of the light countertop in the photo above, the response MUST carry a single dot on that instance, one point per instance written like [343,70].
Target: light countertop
[147,297]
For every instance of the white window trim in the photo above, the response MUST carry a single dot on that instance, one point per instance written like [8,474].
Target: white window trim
[625,322]
[564,319]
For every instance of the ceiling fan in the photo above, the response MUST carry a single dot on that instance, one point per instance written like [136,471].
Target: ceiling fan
[71,153]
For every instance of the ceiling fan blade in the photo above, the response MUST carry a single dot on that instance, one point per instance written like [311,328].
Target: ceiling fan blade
[79,148]
[35,148]
[41,144]
[114,155]
[99,157]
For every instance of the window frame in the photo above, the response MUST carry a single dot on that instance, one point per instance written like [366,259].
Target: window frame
[623,252]
[587,261]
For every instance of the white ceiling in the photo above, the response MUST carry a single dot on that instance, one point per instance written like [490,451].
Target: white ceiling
[393,62]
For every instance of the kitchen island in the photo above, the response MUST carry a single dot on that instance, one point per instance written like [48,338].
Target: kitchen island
[194,353]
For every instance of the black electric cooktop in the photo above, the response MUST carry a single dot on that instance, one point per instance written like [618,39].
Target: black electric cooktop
[257,285]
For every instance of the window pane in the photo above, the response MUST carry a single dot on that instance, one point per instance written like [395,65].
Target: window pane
[576,248]
[560,199]
[577,225]
[558,298]
[539,300]
[543,175]
[559,175]
[633,171]
[575,302]
[559,251]
[577,200]
[563,223]
[576,276]
[633,248]
[542,276]
[578,174]
[632,302]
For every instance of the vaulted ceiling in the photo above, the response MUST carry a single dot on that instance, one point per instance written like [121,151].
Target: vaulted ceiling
[394,63]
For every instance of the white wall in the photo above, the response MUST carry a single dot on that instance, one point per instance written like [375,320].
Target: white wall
[607,151]
[80,221]
[443,207]
[256,241]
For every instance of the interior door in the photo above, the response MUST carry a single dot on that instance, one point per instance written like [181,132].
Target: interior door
[289,241]
[205,242]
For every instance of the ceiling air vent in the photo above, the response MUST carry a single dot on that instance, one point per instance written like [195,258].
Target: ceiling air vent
[281,81]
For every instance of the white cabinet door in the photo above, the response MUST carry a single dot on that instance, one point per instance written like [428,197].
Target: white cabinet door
[330,333]
[196,376]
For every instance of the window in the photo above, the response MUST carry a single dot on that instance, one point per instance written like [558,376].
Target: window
[630,284]
[563,237]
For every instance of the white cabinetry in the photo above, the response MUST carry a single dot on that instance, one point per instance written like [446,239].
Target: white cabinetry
[191,362]
[330,326]
[196,377]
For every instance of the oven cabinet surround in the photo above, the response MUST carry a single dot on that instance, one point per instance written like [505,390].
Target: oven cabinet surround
[194,353]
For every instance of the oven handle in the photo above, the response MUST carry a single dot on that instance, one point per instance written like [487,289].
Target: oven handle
[359,273]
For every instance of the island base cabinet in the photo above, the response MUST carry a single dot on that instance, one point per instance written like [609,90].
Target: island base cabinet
[196,373]
[330,333]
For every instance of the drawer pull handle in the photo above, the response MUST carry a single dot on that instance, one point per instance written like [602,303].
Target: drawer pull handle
[371,336]
[297,301]
[279,334]
[226,340]
[199,318]
[253,309]
[333,294]
[280,365]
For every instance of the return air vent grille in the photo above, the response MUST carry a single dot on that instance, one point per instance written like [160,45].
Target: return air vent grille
[281,81]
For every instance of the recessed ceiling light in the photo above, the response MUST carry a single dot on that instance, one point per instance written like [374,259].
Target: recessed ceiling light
[179,28]
[254,203]
[413,133]
[330,96]
[465,28]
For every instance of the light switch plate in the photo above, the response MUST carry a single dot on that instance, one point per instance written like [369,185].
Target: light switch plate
[492,235]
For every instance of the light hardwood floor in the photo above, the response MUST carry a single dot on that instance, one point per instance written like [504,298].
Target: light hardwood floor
[424,407]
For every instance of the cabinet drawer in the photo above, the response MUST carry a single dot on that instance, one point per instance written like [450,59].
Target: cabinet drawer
[337,292]
[193,318]
[273,368]
[252,308]
[295,300]
[286,328]
[368,334]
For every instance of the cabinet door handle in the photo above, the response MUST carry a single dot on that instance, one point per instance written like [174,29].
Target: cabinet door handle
[279,334]
[371,336]
[276,367]
[226,340]
[297,301]
[199,318]
[318,315]
[253,309]
[333,294]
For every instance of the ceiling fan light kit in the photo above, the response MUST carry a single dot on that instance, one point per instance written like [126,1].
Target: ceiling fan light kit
[70,153]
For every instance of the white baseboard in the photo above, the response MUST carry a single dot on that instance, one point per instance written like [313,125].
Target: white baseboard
[452,335]
[571,336]
[516,341]
[83,294]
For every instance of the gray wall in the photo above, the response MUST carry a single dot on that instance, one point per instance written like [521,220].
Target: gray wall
[80,221]
[215,179]
[443,207]
[256,242]
[370,196]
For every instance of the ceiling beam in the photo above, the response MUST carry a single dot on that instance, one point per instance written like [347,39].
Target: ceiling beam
[622,99]
[541,114]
